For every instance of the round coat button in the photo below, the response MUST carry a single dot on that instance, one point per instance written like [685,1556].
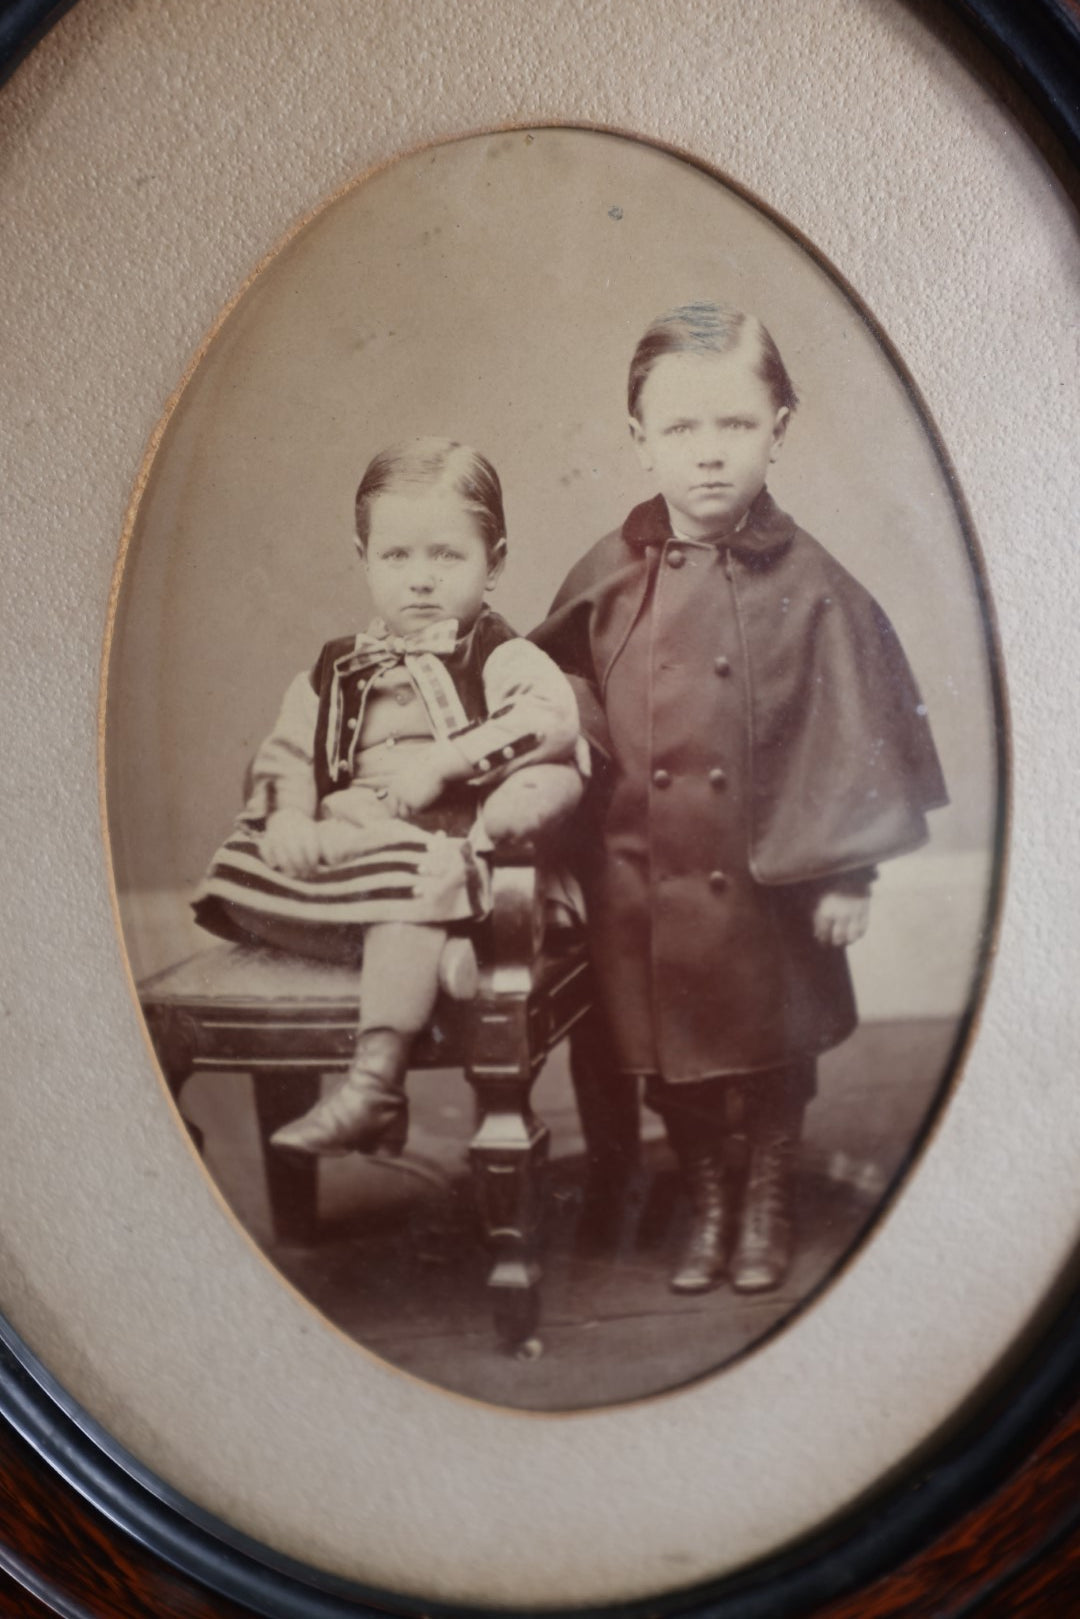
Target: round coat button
[675,559]
[661,778]
[717,881]
[722,665]
[718,777]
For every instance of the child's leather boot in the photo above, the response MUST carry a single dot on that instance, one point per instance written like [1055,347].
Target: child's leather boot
[698,1144]
[766,1242]
[369,1111]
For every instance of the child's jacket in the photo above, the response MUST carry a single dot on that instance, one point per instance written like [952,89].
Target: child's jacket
[760,736]
[488,690]
[497,696]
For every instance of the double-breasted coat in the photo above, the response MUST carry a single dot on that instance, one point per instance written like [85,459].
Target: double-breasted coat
[758,737]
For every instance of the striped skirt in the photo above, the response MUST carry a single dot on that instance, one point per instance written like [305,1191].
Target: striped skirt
[395,872]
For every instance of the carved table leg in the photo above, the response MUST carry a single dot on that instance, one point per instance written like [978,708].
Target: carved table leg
[291,1177]
[508,1154]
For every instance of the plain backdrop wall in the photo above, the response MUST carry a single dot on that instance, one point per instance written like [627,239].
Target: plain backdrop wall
[493,290]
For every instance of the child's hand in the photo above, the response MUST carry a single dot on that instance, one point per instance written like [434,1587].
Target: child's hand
[841,918]
[357,805]
[421,781]
[342,841]
[442,873]
[291,843]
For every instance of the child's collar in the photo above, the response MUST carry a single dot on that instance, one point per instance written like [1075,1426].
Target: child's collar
[765,532]
[730,538]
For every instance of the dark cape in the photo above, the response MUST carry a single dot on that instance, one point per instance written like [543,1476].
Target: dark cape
[842,762]
[757,736]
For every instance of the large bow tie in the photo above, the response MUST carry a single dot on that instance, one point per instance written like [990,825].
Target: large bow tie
[383,650]
[419,652]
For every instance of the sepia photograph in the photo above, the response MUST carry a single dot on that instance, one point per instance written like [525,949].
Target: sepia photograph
[537,970]
[554,768]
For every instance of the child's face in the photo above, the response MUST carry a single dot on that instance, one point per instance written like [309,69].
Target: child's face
[426,559]
[707,428]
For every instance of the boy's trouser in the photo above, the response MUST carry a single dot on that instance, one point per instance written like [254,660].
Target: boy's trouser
[769,1099]
[608,1103]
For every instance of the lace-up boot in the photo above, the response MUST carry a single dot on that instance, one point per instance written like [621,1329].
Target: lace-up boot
[766,1241]
[698,1147]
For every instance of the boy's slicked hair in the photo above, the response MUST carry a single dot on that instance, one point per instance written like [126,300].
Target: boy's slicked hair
[435,463]
[708,328]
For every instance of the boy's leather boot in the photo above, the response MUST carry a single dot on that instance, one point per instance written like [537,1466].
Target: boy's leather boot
[368,1112]
[698,1147]
[766,1241]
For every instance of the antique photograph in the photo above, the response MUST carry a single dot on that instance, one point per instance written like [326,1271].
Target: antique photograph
[554,768]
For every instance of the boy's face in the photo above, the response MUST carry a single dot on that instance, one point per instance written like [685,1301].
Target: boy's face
[707,428]
[426,560]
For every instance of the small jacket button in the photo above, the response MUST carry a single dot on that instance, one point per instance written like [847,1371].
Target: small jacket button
[675,559]
[718,777]
[722,666]
[717,881]
[661,778]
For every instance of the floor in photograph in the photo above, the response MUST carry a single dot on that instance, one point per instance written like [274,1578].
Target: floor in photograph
[400,1266]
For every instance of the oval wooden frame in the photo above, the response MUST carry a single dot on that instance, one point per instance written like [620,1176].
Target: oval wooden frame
[86,1530]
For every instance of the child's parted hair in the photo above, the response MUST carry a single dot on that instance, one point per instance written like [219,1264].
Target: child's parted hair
[708,328]
[434,463]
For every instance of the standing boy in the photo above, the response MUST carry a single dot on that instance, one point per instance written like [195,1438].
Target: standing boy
[760,745]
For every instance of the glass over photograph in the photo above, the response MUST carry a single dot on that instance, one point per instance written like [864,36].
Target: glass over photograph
[553,768]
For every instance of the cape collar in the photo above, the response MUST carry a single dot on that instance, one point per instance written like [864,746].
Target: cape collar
[766,533]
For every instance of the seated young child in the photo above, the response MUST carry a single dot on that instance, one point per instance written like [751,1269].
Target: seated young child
[404,753]
[760,745]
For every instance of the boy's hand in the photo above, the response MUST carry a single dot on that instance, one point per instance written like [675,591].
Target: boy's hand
[841,918]
[291,843]
[421,781]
